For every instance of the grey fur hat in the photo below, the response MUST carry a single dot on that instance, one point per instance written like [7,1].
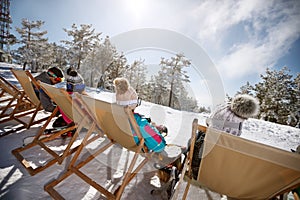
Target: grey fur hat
[230,116]
[245,106]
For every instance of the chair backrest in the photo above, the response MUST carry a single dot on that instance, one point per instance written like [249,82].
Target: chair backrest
[245,169]
[26,84]
[113,120]
[8,87]
[61,97]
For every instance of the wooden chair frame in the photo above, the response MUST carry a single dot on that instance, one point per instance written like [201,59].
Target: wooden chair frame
[13,94]
[64,101]
[15,105]
[26,80]
[245,155]
[75,165]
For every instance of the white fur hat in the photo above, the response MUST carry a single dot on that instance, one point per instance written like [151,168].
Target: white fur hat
[125,94]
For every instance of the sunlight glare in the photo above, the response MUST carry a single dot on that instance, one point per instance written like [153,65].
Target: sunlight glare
[136,7]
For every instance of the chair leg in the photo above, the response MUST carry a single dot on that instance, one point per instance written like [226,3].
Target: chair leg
[296,197]
[186,190]
[208,194]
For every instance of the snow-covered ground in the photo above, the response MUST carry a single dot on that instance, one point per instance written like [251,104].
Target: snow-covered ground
[16,183]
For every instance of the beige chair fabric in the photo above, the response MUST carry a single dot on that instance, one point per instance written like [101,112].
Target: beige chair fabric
[25,79]
[12,101]
[64,101]
[8,93]
[242,169]
[245,169]
[115,122]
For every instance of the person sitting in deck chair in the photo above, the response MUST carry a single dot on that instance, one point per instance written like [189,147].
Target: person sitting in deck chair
[228,117]
[75,83]
[127,96]
[52,76]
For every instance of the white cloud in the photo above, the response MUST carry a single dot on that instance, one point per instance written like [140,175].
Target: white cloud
[270,28]
[215,17]
[246,59]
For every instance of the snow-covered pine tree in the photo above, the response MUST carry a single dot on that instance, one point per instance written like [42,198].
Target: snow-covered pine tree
[117,68]
[82,42]
[148,94]
[47,55]
[183,101]
[277,96]
[136,75]
[33,49]
[94,67]
[172,71]
[295,116]
[246,89]
[89,67]
[160,90]
[60,55]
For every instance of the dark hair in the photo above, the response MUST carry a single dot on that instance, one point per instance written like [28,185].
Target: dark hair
[56,71]
[73,73]
[70,69]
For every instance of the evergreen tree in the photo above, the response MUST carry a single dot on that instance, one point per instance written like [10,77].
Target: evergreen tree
[277,96]
[117,68]
[160,89]
[83,41]
[246,89]
[60,55]
[34,46]
[172,71]
[94,67]
[136,75]
[148,94]
[295,116]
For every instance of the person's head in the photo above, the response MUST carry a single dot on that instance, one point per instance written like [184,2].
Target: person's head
[121,85]
[75,83]
[125,94]
[230,117]
[55,75]
[70,69]
[162,129]
[245,106]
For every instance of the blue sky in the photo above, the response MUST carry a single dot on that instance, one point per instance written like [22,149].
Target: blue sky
[242,38]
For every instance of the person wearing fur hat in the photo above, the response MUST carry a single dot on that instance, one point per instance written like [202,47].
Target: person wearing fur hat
[52,76]
[127,96]
[229,117]
[75,83]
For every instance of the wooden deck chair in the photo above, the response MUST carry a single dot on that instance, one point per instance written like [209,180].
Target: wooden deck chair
[13,101]
[26,80]
[116,122]
[64,102]
[240,168]
[9,94]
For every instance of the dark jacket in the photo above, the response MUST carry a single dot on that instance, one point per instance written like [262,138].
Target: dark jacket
[44,98]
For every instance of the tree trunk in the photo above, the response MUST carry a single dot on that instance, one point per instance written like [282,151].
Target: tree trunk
[24,65]
[171,94]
